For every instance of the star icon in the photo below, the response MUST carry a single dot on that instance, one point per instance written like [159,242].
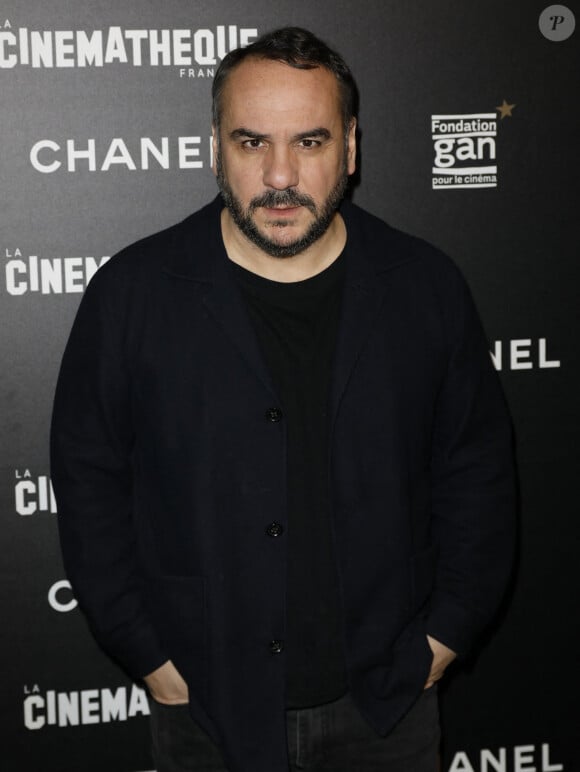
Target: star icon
[505,110]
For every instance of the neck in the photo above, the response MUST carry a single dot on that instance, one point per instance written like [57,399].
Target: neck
[302,266]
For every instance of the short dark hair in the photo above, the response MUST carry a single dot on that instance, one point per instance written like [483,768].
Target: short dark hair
[298,48]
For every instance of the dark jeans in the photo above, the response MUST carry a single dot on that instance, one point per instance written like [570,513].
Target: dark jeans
[326,738]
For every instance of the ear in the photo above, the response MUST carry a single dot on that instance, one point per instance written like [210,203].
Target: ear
[214,148]
[351,147]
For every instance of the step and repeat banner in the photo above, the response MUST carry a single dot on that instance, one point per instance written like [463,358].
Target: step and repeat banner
[469,138]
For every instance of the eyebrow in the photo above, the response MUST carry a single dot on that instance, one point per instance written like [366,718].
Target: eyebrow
[318,133]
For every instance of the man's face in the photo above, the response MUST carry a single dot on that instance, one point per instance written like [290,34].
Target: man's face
[282,158]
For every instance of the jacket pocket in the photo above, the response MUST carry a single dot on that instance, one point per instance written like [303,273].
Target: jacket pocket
[423,568]
[179,612]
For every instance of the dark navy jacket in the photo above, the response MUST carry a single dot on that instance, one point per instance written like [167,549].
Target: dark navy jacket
[168,468]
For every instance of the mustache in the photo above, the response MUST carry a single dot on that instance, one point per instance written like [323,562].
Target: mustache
[288,197]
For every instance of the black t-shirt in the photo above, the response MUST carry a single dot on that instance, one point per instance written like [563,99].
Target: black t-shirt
[296,325]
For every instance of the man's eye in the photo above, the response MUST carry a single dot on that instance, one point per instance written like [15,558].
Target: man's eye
[309,143]
[252,144]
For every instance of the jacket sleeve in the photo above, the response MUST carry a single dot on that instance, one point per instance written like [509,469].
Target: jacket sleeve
[91,445]
[473,482]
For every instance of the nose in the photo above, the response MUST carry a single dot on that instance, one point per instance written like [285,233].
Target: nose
[280,169]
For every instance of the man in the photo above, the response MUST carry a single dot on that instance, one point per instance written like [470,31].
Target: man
[280,452]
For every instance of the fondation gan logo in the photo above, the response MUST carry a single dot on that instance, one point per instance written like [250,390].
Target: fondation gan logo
[464,148]
[194,51]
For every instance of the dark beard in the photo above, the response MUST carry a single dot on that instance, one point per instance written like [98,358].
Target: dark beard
[289,197]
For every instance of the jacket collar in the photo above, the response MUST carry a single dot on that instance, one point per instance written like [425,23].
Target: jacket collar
[196,253]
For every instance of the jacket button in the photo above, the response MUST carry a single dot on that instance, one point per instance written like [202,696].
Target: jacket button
[273,414]
[276,647]
[275,529]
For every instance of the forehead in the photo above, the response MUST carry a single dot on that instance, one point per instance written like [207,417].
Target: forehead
[261,90]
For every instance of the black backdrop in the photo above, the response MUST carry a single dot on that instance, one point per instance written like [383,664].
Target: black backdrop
[469,127]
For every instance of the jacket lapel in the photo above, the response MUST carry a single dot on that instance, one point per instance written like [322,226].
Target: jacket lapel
[198,256]
[361,301]
[362,295]
[225,303]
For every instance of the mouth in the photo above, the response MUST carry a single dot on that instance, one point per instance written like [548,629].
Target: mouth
[281,211]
